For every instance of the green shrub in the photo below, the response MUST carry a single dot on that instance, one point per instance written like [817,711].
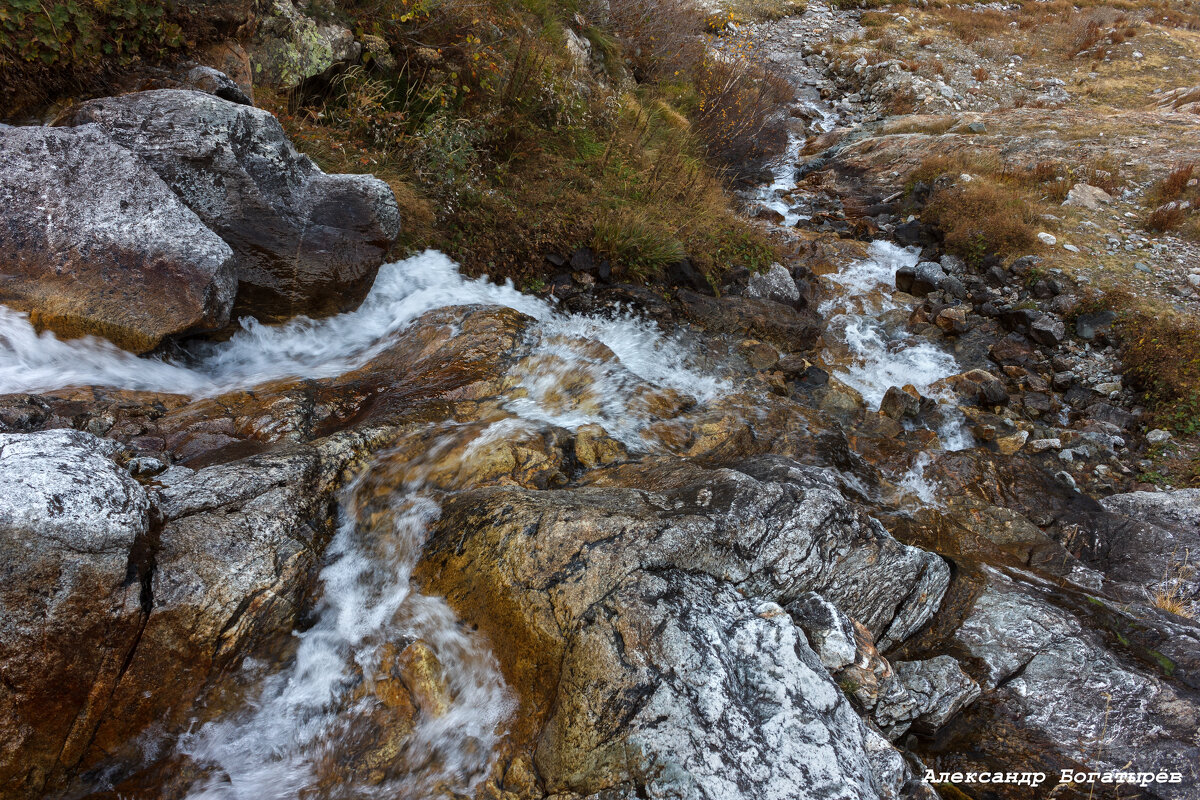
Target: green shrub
[49,45]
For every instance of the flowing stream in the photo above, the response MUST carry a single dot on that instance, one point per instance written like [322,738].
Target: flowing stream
[291,735]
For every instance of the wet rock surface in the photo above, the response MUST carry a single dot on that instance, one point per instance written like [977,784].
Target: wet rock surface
[591,574]
[159,589]
[880,518]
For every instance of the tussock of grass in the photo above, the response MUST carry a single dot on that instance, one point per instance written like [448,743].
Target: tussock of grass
[630,238]
[981,218]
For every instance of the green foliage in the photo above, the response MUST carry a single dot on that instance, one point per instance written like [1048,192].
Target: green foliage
[73,33]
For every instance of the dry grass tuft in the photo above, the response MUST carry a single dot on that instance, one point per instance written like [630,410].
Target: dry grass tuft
[1165,218]
[982,218]
[1173,186]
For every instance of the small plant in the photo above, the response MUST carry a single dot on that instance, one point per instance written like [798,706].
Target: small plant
[901,102]
[1172,187]
[1161,354]
[981,218]
[980,74]
[1165,218]
[633,243]
[1170,594]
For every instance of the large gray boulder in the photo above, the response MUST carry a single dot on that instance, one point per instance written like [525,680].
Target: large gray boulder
[304,242]
[93,242]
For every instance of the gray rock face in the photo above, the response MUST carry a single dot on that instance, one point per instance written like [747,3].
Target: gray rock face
[925,693]
[655,615]
[727,701]
[1151,541]
[939,689]
[304,242]
[94,242]
[120,607]
[774,284]
[1062,687]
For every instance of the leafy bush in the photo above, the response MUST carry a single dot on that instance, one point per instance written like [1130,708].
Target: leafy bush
[49,45]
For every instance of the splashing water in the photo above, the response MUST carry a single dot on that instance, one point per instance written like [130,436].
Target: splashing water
[293,737]
[257,353]
[879,355]
[299,732]
[915,483]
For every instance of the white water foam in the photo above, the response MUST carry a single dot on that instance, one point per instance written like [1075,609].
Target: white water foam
[282,744]
[403,291]
[916,484]
[881,355]
[257,353]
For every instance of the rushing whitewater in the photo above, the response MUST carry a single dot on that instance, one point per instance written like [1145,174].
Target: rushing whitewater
[305,348]
[879,355]
[292,736]
[299,727]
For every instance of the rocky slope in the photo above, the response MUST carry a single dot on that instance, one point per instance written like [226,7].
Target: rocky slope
[855,526]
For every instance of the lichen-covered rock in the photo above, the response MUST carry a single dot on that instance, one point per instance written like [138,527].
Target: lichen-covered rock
[290,46]
[609,608]
[93,242]
[676,686]
[304,242]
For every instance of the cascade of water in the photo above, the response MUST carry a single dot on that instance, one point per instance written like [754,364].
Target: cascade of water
[881,352]
[293,737]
